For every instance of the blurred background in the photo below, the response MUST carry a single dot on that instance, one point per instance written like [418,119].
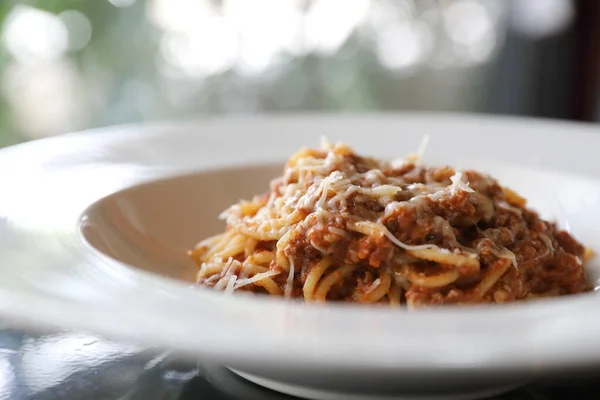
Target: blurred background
[73,64]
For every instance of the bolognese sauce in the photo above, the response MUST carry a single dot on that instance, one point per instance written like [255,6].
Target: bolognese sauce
[337,226]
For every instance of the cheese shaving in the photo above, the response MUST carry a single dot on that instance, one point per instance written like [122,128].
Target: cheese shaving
[243,282]
[458,184]
[325,143]
[418,156]
[231,284]
[289,284]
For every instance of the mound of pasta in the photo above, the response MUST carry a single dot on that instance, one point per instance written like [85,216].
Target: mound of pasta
[342,227]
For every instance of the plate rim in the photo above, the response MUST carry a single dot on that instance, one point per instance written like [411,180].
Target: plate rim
[11,303]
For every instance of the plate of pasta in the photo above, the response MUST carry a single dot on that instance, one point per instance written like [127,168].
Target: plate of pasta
[328,257]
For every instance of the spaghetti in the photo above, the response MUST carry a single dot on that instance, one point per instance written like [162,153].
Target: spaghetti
[339,226]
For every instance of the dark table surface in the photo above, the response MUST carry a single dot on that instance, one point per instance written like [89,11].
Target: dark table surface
[74,366]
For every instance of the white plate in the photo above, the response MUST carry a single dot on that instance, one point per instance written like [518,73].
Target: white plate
[51,276]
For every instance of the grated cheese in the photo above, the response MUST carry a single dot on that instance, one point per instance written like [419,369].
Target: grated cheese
[397,242]
[243,282]
[423,147]
[231,284]
[325,143]
[505,253]
[458,184]
[290,279]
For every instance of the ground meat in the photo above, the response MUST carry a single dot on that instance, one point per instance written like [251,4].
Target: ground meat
[405,232]
[568,243]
